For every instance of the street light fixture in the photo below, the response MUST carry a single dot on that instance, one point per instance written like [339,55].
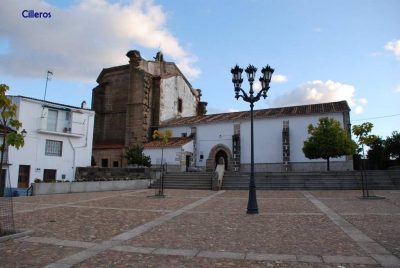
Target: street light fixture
[265,79]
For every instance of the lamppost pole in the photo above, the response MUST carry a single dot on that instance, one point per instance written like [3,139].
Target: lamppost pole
[252,207]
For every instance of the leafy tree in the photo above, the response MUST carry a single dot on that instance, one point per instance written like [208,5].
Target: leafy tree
[328,140]
[11,126]
[163,137]
[392,145]
[135,156]
[364,138]
[376,154]
[10,137]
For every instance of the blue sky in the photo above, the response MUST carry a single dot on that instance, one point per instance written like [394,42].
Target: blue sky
[321,50]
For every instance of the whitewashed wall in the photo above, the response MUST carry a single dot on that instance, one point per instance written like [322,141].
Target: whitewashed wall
[209,135]
[76,146]
[171,156]
[267,138]
[173,88]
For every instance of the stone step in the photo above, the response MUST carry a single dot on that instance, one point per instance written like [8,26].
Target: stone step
[306,180]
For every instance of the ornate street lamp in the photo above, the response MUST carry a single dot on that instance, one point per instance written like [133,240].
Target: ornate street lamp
[265,79]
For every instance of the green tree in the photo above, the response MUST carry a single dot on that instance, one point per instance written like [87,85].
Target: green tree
[11,126]
[163,137]
[135,156]
[10,137]
[328,140]
[392,145]
[362,132]
[376,154]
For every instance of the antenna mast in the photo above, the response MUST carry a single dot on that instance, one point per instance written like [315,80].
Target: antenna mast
[47,79]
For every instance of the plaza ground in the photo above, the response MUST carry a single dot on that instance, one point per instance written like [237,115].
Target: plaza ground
[206,229]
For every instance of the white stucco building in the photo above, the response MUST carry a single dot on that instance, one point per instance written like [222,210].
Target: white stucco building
[279,135]
[59,139]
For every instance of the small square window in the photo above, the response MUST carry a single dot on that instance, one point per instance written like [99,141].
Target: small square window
[115,164]
[104,162]
[53,148]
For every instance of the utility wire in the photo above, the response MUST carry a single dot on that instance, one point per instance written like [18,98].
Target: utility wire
[378,117]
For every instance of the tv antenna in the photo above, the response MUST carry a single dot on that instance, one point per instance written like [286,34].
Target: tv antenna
[47,80]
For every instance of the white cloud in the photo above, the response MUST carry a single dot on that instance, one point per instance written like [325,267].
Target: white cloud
[279,78]
[363,101]
[78,41]
[317,30]
[318,92]
[214,110]
[394,47]
[257,86]
[397,89]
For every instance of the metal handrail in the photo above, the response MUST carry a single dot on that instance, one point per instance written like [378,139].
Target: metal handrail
[29,189]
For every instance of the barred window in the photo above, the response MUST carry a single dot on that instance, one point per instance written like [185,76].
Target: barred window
[53,148]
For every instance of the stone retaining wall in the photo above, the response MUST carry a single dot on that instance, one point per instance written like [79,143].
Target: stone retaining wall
[87,186]
[111,174]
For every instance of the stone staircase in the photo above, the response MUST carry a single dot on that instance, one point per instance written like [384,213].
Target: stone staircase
[343,180]
[186,180]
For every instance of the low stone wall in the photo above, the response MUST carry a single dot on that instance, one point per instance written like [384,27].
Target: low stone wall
[300,166]
[88,186]
[111,174]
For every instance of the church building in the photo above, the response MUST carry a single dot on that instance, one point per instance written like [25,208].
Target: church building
[133,100]
[279,135]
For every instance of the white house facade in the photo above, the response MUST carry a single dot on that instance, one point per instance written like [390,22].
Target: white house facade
[279,136]
[58,139]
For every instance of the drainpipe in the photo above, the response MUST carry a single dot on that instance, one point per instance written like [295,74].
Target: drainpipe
[84,146]
[73,159]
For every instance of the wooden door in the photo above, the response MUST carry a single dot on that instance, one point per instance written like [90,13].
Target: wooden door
[23,176]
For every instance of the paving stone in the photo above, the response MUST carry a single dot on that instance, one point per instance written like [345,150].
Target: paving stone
[270,257]
[177,252]
[221,255]
[309,258]
[387,260]
[348,259]
[201,229]
[134,249]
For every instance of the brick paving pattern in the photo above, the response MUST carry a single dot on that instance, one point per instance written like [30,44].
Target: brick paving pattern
[192,228]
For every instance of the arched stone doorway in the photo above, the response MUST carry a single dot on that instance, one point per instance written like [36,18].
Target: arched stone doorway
[221,158]
[219,150]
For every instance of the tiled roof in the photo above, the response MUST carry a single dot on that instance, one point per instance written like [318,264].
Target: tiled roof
[49,102]
[172,142]
[320,108]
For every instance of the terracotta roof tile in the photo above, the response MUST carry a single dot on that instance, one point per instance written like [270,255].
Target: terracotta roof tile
[319,108]
[172,142]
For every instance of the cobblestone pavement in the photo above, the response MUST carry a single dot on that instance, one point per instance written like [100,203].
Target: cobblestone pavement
[206,229]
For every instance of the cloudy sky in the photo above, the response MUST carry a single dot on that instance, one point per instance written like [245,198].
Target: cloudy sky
[321,50]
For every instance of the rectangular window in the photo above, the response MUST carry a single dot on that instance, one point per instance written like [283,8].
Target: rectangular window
[49,175]
[115,164]
[104,162]
[53,148]
[180,104]
[52,120]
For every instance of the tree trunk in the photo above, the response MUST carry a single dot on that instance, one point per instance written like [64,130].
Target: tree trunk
[2,183]
[327,164]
